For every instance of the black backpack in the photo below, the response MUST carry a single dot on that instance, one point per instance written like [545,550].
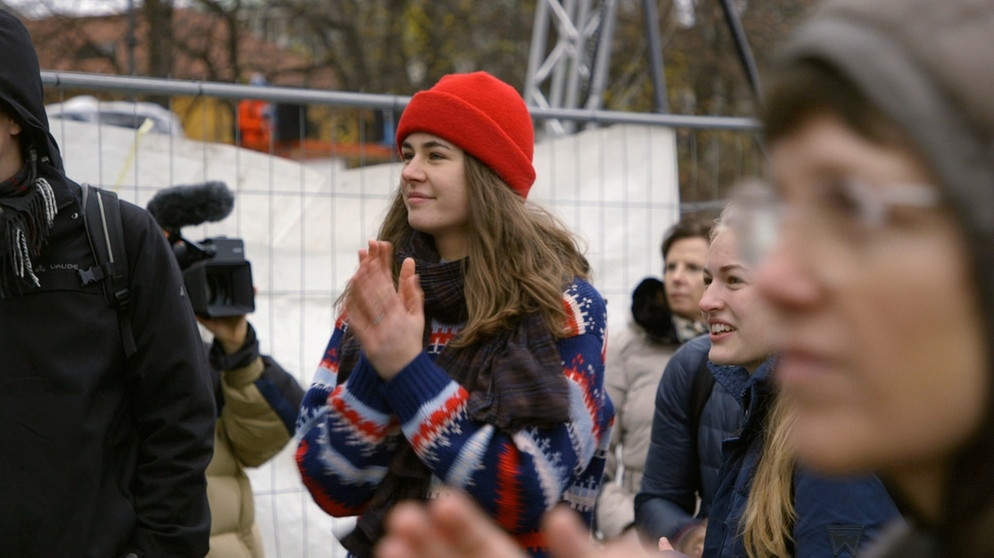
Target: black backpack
[101,210]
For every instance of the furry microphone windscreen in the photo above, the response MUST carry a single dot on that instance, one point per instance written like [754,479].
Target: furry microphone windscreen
[179,206]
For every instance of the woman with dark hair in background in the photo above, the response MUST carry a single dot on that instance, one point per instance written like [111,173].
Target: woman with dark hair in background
[636,359]
[635,362]
[685,248]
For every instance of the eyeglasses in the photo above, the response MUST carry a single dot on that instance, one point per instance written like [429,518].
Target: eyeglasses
[843,212]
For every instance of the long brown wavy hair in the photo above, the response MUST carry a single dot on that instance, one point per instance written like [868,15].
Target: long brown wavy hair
[520,256]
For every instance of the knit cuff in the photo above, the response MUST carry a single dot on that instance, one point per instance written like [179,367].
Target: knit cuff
[240,358]
[418,383]
[365,385]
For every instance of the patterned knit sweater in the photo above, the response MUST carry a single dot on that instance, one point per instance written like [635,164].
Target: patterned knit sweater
[347,434]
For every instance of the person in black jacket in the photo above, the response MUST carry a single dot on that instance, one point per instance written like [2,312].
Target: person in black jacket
[102,449]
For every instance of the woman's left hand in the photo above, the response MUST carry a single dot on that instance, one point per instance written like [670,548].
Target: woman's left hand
[389,321]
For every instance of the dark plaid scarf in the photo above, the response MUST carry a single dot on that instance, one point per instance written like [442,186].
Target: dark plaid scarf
[514,378]
[27,211]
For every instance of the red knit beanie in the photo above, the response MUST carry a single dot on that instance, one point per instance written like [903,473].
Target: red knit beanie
[484,117]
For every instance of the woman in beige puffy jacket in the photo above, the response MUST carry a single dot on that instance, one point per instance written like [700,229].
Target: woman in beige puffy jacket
[664,315]
[635,362]
[257,402]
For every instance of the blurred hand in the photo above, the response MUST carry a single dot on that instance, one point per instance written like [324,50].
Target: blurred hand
[450,526]
[229,331]
[568,537]
[454,526]
[388,321]
[691,543]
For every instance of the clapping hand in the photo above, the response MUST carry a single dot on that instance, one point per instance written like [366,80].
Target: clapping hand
[388,320]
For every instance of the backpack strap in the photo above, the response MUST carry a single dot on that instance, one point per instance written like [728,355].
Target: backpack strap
[101,212]
[700,392]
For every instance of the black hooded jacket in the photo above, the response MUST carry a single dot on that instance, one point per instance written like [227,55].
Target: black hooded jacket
[101,455]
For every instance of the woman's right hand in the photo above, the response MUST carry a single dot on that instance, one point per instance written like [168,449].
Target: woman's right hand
[388,321]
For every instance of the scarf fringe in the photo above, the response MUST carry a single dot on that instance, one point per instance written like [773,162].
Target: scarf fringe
[51,208]
[27,233]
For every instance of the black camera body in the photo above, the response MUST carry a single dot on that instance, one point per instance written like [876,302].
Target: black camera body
[217,276]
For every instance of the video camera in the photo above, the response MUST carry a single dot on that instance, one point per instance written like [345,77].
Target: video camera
[217,276]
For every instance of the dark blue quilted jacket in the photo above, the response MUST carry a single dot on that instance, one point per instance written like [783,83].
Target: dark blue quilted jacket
[835,517]
[675,475]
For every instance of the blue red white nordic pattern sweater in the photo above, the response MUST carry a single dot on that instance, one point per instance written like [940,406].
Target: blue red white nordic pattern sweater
[347,434]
